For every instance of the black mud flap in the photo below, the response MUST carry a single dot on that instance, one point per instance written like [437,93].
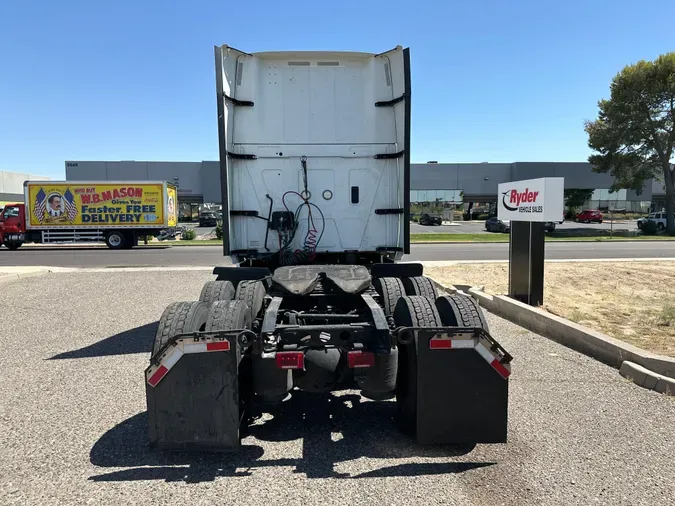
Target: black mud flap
[462,387]
[192,389]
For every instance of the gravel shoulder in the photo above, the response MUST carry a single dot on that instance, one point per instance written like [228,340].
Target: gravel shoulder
[73,424]
[627,300]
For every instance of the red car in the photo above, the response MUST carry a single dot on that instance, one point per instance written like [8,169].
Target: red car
[589,216]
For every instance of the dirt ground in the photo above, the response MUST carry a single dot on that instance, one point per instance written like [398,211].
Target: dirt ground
[631,301]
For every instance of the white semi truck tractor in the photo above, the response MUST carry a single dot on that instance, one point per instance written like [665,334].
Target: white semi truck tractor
[315,175]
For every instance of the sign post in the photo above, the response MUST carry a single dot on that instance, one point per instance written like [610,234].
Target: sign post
[528,205]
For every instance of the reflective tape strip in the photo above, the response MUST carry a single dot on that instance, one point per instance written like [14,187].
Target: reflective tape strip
[493,361]
[463,343]
[168,362]
[218,346]
[158,375]
[440,343]
[172,358]
[484,352]
[194,348]
[204,347]
[499,367]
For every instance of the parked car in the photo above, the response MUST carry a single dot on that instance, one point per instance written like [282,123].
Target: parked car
[659,218]
[207,219]
[589,216]
[431,219]
[494,224]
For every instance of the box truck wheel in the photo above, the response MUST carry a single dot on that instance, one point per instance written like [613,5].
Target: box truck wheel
[115,239]
[13,245]
[178,318]
[216,290]
[411,311]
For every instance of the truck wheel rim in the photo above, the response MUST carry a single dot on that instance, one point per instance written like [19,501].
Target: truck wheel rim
[115,240]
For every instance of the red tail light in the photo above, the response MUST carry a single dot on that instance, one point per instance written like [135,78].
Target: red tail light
[290,360]
[358,359]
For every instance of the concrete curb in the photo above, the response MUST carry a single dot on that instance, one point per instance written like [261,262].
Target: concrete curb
[647,379]
[13,276]
[655,371]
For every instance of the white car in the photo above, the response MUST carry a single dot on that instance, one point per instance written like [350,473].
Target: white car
[659,218]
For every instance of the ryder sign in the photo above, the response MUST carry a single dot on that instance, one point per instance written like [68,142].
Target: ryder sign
[531,200]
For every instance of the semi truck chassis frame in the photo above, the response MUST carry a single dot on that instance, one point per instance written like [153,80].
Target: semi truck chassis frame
[320,329]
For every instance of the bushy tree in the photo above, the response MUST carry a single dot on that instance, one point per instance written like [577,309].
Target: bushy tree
[575,198]
[634,134]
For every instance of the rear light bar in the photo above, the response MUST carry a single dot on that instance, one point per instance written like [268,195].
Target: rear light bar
[290,360]
[360,359]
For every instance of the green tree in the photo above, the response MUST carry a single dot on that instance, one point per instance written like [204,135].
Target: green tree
[576,197]
[634,134]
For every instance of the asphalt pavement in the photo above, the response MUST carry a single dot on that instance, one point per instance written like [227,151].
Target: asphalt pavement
[100,256]
[73,425]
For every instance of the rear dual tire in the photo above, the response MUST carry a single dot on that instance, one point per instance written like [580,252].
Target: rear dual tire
[214,291]
[180,318]
[419,311]
[411,311]
[420,285]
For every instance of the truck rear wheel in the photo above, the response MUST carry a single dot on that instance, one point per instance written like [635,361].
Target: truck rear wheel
[461,311]
[13,245]
[179,318]
[411,311]
[115,239]
[420,285]
[253,294]
[228,315]
[214,291]
[236,315]
[390,289]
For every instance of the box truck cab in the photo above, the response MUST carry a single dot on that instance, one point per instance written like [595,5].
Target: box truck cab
[12,225]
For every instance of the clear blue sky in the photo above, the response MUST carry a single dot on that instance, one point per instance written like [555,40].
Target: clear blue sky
[134,80]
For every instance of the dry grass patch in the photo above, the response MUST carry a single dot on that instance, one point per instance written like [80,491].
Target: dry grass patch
[631,301]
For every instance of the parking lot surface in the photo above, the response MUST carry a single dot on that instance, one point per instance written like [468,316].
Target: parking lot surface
[73,348]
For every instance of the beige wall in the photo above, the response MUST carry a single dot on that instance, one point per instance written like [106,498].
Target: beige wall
[11,185]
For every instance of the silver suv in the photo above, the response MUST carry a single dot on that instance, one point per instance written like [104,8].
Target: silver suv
[659,218]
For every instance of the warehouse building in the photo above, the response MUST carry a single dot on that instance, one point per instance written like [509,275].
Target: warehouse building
[11,186]
[199,182]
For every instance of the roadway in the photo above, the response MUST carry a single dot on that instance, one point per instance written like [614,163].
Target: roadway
[179,256]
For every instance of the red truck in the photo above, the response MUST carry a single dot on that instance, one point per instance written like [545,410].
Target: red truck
[117,213]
